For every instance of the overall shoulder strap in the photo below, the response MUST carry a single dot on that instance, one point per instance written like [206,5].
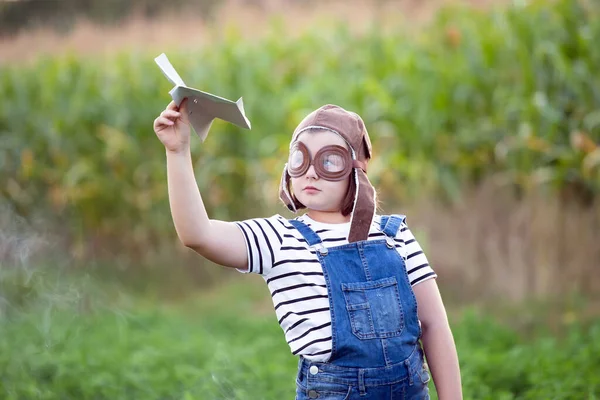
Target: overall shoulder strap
[311,237]
[390,224]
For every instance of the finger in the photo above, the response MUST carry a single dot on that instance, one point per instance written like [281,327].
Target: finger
[162,122]
[172,106]
[183,107]
[170,114]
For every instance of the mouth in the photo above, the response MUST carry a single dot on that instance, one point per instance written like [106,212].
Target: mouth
[310,189]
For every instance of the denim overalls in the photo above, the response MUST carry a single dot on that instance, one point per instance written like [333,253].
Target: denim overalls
[375,329]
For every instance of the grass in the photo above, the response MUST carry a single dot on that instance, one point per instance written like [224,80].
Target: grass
[226,344]
[196,350]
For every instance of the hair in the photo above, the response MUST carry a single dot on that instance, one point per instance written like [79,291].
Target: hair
[348,202]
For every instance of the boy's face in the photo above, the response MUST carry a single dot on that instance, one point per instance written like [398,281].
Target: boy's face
[311,190]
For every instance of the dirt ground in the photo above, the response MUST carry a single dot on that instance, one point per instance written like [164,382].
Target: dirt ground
[177,30]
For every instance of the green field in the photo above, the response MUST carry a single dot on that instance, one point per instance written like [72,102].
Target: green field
[226,344]
[507,99]
[508,96]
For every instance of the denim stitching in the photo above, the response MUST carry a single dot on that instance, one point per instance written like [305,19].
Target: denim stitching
[330,299]
[363,260]
[367,335]
[411,291]
[361,382]
[401,322]
[361,286]
[385,354]
[389,282]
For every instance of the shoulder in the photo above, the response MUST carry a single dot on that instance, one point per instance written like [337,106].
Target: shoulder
[277,221]
[271,228]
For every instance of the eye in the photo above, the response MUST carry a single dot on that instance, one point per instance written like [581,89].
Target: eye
[333,163]
[296,159]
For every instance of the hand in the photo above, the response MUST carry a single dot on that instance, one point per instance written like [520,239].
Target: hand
[172,127]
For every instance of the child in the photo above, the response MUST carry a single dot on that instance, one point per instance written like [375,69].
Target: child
[352,290]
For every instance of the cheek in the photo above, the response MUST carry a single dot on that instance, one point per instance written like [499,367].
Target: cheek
[294,185]
[337,190]
[342,187]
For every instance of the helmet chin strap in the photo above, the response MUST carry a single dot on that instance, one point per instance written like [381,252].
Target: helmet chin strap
[364,208]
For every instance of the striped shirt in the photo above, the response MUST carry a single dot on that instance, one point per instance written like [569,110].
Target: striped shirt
[279,253]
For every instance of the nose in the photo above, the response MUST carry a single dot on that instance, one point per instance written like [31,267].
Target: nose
[311,173]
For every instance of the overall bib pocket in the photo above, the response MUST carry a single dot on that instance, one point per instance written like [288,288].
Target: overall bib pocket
[374,308]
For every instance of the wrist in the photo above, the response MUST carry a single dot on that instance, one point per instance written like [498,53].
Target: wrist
[182,152]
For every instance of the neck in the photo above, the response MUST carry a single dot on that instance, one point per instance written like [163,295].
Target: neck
[328,217]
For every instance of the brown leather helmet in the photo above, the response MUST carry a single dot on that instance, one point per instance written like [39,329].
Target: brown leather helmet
[351,128]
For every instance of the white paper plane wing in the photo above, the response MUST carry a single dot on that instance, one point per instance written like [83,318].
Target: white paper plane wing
[203,107]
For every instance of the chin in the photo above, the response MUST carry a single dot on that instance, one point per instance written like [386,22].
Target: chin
[316,203]
[310,203]
[316,206]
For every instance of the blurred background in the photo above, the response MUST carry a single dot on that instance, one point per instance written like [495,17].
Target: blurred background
[485,123]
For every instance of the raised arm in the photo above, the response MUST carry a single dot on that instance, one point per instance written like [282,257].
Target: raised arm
[219,241]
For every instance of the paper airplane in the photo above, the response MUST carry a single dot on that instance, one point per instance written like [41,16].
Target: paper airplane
[203,107]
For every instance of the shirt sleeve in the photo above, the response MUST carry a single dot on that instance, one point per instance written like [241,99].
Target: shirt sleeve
[263,239]
[417,265]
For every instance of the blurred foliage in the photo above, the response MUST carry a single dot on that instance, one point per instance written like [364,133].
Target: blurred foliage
[222,346]
[62,15]
[511,95]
